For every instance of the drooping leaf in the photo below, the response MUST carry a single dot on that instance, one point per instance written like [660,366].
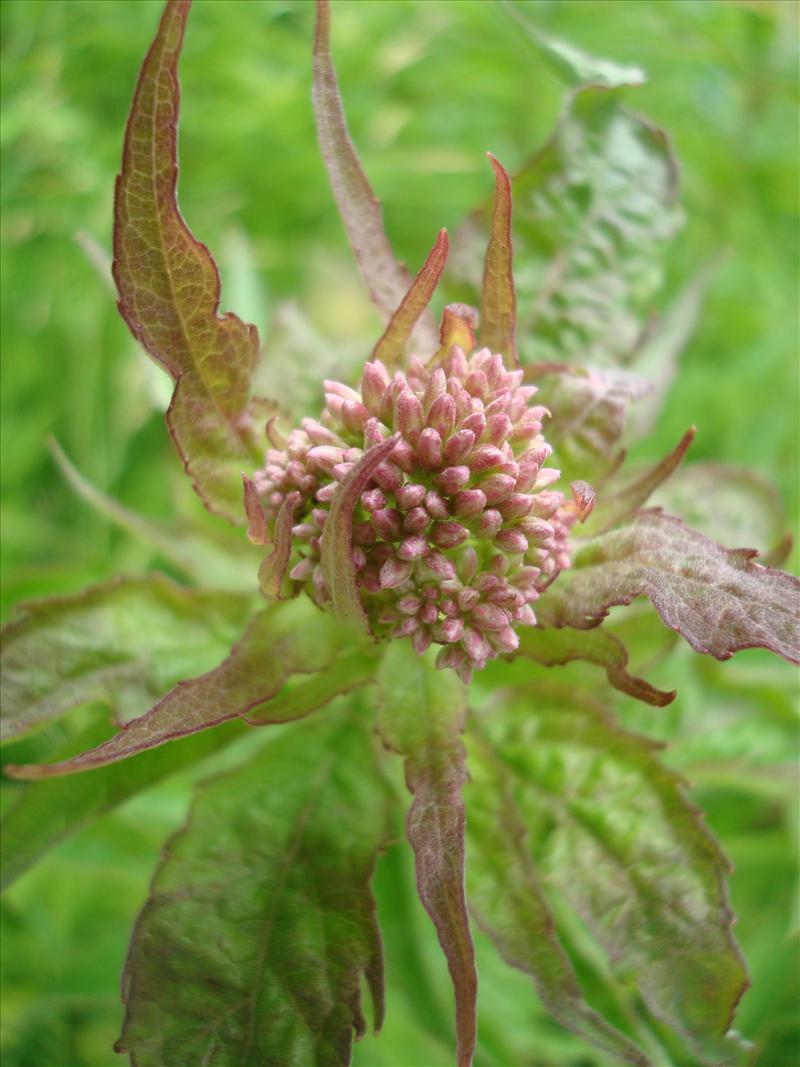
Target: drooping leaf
[293,638]
[508,901]
[611,832]
[169,290]
[391,347]
[614,507]
[124,642]
[386,279]
[421,717]
[211,558]
[731,504]
[550,647]
[272,571]
[592,213]
[337,537]
[720,600]
[260,921]
[50,810]
[589,410]
[498,300]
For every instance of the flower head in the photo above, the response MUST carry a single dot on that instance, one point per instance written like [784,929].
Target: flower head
[458,531]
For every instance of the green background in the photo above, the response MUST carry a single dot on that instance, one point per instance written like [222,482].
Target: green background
[429,87]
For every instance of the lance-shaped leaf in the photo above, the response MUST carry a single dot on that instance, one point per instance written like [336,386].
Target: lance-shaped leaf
[124,642]
[293,638]
[508,901]
[391,347]
[612,508]
[593,211]
[50,810]
[612,833]
[386,279]
[422,713]
[263,900]
[552,647]
[498,302]
[718,599]
[337,537]
[169,290]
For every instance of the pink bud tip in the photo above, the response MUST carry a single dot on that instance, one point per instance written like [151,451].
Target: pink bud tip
[452,479]
[429,449]
[469,503]
[448,534]
[512,540]
[394,572]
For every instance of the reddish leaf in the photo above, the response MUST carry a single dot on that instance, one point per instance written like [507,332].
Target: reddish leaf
[292,639]
[552,647]
[612,509]
[719,599]
[391,347]
[498,302]
[386,279]
[169,289]
[337,537]
[273,568]
[421,718]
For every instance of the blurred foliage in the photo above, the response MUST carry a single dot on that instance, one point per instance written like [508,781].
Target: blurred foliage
[429,85]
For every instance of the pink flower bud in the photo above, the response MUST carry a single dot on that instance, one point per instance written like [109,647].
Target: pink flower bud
[504,640]
[458,447]
[303,570]
[498,429]
[436,505]
[449,630]
[488,523]
[515,506]
[439,566]
[546,504]
[476,383]
[468,598]
[394,572]
[437,384]
[373,500]
[498,564]
[354,416]
[364,534]
[467,563]
[421,640]
[512,540]
[484,457]
[408,417]
[429,613]
[412,547]
[319,434]
[498,406]
[388,477]
[475,423]
[429,449]
[545,477]
[524,616]
[409,605]
[374,433]
[536,529]
[389,523]
[450,656]
[442,415]
[404,456]
[448,534]
[497,487]
[489,617]
[410,496]
[416,521]
[476,646]
[469,503]
[374,382]
[406,627]
[452,478]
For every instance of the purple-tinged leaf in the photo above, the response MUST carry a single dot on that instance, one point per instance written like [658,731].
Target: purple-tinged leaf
[294,638]
[169,290]
[124,642]
[214,558]
[498,302]
[552,647]
[257,531]
[391,347]
[614,507]
[720,600]
[508,902]
[273,568]
[610,833]
[386,279]
[263,899]
[422,715]
[337,537]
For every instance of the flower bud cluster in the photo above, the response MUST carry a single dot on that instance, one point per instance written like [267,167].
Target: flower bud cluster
[456,534]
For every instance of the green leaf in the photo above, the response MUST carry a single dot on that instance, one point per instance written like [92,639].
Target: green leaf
[718,599]
[51,810]
[124,642]
[293,638]
[169,290]
[498,299]
[610,831]
[260,921]
[593,211]
[550,647]
[387,280]
[422,713]
[508,901]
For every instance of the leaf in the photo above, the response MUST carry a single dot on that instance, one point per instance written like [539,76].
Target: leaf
[391,347]
[718,599]
[260,921]
[552,647]
[272,571]
[386,279]
[337,537]
[169,290]
[498,300]
[589,410]
[124,642]
[218,561]
[611,832]
[421,717]
[508,901]
[612,509]
[295,638]
[50,810]
[593,211]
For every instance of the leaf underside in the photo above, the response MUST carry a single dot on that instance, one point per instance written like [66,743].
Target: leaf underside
[260,921]
[169,290]
[421,716]
[597,821]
